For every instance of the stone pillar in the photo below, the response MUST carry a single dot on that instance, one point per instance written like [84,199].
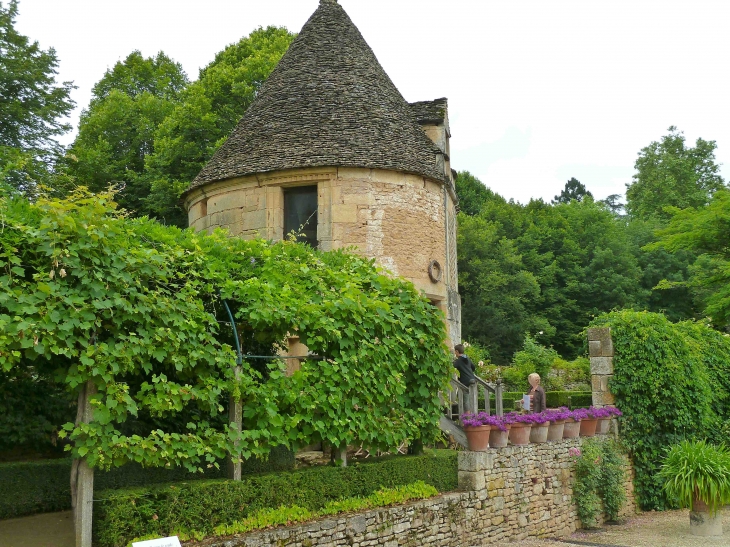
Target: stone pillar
[600,350]
[472,470]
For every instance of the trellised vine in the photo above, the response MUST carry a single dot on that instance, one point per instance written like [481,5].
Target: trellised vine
[133,306]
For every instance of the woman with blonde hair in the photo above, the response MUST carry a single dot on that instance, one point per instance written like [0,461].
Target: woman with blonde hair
[536,393]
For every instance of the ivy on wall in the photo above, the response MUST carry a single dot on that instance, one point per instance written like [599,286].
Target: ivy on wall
[87,294]
[671,381]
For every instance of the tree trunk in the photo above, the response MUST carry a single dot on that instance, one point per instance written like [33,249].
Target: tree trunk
[82,476]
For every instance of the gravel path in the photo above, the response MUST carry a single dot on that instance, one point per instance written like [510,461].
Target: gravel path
[652,529]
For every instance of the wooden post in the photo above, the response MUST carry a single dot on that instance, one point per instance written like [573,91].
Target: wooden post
[82,476]
[235,416]
[343,456]
[498,399]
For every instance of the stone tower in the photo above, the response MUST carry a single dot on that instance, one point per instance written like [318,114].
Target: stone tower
[331,150]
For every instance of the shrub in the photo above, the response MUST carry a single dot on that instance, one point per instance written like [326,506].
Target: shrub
[201,506]
[43,486]
[600,474]
[671,381]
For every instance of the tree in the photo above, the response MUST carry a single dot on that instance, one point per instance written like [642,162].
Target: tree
[472,193]
[32,104]
[671,174]
[574,190]
[704,231]
[614,204]
[210,109]
[116,131]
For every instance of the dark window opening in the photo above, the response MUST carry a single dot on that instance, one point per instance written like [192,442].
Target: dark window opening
[300,214]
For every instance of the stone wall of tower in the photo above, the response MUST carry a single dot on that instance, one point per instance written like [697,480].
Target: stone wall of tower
[403,221]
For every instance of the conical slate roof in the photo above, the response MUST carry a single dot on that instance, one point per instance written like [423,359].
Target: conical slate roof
[327,103]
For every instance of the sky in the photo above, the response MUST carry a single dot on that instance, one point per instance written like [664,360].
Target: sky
[539,91]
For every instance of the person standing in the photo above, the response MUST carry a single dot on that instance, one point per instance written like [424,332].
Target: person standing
[536,393]
[464,365]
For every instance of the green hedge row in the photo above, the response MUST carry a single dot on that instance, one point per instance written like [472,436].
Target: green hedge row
[163,510]
[43,486]
[554,399]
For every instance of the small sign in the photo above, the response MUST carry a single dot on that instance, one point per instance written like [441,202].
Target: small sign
[162,542]
[526,402]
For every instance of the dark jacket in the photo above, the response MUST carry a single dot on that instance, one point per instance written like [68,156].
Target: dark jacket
[538,399]
[466,369]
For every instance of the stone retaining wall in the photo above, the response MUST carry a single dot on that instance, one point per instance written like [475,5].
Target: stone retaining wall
[511,493]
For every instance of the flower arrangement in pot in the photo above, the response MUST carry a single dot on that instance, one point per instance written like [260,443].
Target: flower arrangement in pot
[556,418]
[477,430]
[588,421]
[499,434]
[697,474]
[540,427]
[604,416]
[520,426]
[571,429]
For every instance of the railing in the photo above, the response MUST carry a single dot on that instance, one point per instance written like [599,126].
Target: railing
[466,398]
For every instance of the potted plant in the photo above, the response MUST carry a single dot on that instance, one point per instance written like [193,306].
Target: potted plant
[477,431]
[520,426]
[588,421]
[499,434]
[540,427]
[571,430]
[697,474]
[557,418]
[604,416]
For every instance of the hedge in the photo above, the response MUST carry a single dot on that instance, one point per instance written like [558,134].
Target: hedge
[43,486]
[163,510]
[554,399]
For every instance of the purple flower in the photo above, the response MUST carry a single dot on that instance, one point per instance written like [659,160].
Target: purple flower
[558,414]
[475,420]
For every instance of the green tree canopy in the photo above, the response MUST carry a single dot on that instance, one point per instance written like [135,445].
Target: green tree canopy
[574,190]
[116,132]
[671,174]
[89,295]
[32,106]
[472,193]
[703,231]
[209,110]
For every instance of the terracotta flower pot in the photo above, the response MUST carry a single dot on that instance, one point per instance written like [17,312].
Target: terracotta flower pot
[498,438]
[588,427]
[555,431]
[478,437]
[604,425]
[539,433]
[519,434]
[571,429]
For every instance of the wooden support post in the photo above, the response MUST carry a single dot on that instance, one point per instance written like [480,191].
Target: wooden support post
[235,416]
[343,456]
[472,399]
[498,397]
[82,476]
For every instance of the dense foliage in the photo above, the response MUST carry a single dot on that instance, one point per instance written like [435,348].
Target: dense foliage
[697,471]
[599,487]
[87,294]
[202,506]
[42,486]
[32,104]
[150,131]
[671,382]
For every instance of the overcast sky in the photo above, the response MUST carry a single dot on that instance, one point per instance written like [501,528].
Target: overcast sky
[539,91]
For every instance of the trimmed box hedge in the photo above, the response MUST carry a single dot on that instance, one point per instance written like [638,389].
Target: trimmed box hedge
[44,486]
[163,510]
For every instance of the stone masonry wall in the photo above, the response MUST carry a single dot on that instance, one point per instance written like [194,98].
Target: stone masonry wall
[600,350]
[511,493]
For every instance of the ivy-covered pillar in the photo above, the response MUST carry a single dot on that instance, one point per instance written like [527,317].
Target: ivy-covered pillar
[600,350]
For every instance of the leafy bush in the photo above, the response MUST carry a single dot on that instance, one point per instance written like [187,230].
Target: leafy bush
[600,474]
[697,471]
[202,506]
[671,382]
[43,486]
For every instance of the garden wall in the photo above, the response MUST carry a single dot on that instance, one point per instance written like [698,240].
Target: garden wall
[509,494]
